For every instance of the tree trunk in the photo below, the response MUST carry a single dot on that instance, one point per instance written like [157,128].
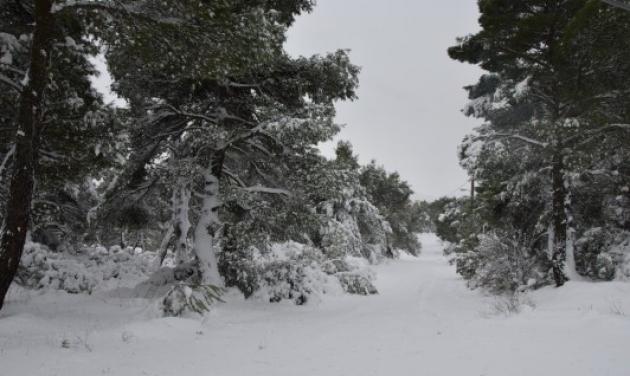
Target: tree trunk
[209,223]
[558,219]
[18,211]
[206,230]
[181,220]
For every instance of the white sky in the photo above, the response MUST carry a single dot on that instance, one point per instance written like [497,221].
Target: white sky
[408,114]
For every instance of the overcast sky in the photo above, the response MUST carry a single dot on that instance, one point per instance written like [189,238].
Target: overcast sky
[408,114]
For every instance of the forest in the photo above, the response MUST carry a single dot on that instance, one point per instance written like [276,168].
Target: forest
[201,198]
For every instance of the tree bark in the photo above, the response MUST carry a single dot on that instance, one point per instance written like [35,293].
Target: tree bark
[18,210]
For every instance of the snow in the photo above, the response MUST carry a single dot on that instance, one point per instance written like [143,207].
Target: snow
[423,322]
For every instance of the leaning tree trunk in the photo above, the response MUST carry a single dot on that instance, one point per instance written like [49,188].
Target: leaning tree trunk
[18,208]
[558,218]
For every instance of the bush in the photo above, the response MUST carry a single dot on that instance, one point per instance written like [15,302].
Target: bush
[357,283]
[294,271]
[603,254]
[290,271]
[501,264]
[83,272]
[510,304]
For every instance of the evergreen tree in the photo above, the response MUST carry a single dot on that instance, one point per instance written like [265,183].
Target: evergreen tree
[548,98]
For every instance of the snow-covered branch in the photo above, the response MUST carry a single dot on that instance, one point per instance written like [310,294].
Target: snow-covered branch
[618,4]
[267,190]
[526,139]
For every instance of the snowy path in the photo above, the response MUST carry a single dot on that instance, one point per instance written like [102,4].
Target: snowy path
[423,322]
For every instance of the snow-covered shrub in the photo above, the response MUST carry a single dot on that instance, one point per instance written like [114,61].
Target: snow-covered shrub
[467,264]
[238,270]
[588,248]
[341,238]
[290,271]
[605,267]
[500,264]
[294,271]
[335,266]
[41,268]
[83,272]
[510,304]
[354,227]
[357,283]
[603,254]
[621,251]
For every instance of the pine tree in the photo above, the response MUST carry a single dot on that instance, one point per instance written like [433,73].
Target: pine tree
[551,64]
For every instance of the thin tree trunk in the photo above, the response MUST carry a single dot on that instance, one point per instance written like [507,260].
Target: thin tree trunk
[18,211]
[558,219]
[570,269]
[166,240]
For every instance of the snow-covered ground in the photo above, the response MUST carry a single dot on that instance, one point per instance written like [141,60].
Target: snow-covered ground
[424,322]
